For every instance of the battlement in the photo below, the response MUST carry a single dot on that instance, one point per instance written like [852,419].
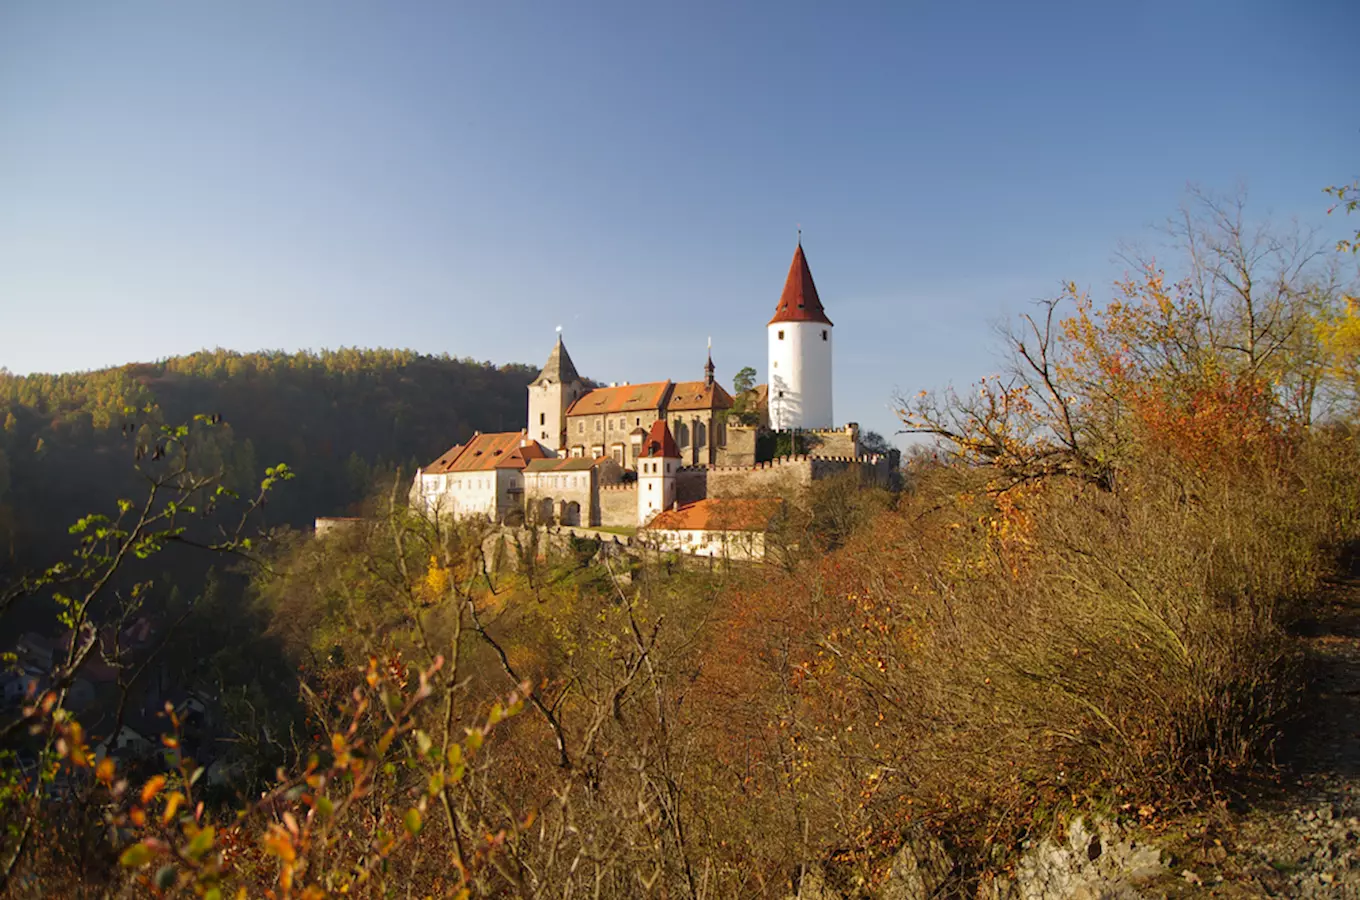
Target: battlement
[870,459]
[618,488]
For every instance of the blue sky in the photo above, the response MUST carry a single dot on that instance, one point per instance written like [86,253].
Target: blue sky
[464,177]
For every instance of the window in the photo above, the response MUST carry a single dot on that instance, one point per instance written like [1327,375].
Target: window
[580,427]
[599,424]
[823,334]
[543,417]
[781,334]
[623,422]
[637,420]
[545,435]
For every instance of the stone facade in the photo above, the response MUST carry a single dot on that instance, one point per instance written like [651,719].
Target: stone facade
[617,435]
[565,491]
[619,505]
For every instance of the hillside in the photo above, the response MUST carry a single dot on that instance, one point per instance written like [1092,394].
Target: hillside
[335,417]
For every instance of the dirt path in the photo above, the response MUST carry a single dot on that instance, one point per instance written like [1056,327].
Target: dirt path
[1304,841]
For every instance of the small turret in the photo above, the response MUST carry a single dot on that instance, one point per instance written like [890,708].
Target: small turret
[657,469]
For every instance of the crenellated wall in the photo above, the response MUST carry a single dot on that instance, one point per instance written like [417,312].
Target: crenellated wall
[784,475]
[619,505]
[691,484]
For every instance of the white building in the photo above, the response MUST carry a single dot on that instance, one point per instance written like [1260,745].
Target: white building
[726,529]
[482,478]
[800,344]
[658,467]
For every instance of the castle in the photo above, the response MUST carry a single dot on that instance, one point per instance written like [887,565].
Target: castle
[689,465]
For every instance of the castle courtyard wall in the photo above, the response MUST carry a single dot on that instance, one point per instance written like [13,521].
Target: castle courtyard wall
[618,505]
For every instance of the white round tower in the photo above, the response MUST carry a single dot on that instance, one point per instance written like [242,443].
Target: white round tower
[800,354]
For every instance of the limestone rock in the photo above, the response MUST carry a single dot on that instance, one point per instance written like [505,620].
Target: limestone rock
[918,871]
[1090,864]
[814,885]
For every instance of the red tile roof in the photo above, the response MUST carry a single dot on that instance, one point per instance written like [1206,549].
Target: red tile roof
[659,443]
[566,464]
[519,457]
[717,515]
[699,395]
[624,398]
[444,463]
[799,302]
[484,452]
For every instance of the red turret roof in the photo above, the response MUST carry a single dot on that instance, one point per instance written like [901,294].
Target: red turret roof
[659,443]
[799,302]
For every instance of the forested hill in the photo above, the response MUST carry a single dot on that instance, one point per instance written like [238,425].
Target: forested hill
[335,417]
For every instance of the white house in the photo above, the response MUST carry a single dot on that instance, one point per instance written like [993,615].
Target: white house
[723,528]
[482,478]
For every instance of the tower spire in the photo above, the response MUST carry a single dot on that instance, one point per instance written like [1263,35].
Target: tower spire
[708,367]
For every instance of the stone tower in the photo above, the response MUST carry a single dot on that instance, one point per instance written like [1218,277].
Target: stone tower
[657,469]
[555,389]
[800,354]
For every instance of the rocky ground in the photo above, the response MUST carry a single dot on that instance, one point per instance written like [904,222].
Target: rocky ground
[1300,839]
[1305,840]
[1297,838]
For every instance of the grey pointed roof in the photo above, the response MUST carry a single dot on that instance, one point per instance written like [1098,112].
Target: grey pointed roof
[559,368]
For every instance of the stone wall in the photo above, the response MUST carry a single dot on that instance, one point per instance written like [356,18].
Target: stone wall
[786,475]
[691,484]
[564,498]
[740,449]
[771,479]
[618,505]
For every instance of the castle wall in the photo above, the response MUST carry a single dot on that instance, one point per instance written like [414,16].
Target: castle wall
[836,442]
[691,485]
[618,505]
[741,446]
[786,475]
[549,497]
[780,476]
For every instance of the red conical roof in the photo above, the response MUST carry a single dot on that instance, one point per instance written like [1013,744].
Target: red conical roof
[659,443]
[799,302]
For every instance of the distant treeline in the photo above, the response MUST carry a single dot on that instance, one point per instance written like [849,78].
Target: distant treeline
[337,418]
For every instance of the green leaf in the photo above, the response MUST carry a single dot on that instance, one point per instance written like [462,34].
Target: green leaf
[201,843]
[135,856]
[324,807]
[412,821]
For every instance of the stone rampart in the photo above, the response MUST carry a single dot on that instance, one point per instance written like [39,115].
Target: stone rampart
[618,504]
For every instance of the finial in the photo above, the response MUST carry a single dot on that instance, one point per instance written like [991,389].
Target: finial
[800,234]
